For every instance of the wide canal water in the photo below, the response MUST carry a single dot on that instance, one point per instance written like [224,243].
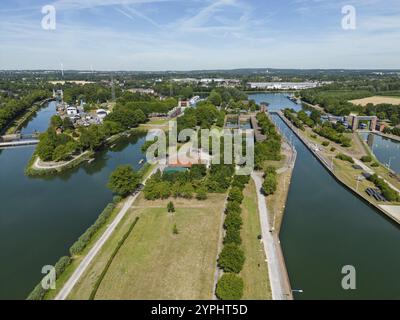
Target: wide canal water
[40,218]
[326,227]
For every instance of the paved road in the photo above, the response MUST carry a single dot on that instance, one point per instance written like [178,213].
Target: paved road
[270,247]
[68,286]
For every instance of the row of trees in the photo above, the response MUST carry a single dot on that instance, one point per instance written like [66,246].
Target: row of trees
[335,97]
[232,257]
[270,181]
[270,149]
[196,182]
[384,112]
[146,103]
[394,131]
[15,105]
[205,115]
[389,193]
[177,184]
[334,133]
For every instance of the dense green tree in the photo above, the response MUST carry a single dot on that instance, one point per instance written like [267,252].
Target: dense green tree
[236,195]
[232,236]
[231,258]
[234,221]
[171,207]
[215,98]
[123,180]
[230,287]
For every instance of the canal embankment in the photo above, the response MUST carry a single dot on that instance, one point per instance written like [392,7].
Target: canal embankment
[20,121]
[329,166]
[271,210]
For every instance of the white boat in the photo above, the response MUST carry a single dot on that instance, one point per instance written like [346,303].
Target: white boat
[141,161]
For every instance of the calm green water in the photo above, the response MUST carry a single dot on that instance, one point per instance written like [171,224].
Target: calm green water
[386,150]
[41,218]
[325,227]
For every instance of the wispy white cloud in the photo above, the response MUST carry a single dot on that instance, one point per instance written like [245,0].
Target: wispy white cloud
[191,34]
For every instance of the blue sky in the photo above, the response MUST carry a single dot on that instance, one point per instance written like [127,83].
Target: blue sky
[199,34]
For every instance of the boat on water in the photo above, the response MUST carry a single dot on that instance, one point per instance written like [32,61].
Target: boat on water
[91,160]
[141,161]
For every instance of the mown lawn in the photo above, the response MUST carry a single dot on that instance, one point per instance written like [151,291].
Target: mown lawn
[153,263]
[255,270]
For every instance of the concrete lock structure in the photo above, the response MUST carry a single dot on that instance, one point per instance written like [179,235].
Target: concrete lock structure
[355,120]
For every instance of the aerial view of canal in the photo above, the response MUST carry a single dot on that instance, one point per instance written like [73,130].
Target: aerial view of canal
[326,227]
[54,212]
[386,150]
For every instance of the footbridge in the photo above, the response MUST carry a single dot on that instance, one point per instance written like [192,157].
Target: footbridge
[19,140]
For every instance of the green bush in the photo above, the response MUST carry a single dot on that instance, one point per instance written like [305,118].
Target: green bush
[233,207]
[389,193]
[201,195]
[344,157]
[366,159]
[326,143]
[233,221]
[117,199]
[229,287]
[240,181]
[37,293]
[61,265]
[232,236]
[333,149]
[84,239]
[270,181]
[231,258]
[236,195]
[375,164]
[171,207]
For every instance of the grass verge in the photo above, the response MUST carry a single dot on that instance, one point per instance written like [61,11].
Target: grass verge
[255,270]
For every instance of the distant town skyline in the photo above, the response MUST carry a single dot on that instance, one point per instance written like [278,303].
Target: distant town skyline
[176,35]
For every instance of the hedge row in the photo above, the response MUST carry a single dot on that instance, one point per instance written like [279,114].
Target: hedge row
[84,239]
[344,157]
[232,258]
[38,293]
[387,192]
[110,260]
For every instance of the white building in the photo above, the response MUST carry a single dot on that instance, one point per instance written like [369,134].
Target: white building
[101,114]
[283,85]
[72,111]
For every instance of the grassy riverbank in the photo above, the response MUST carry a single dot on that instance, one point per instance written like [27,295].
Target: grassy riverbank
[76,259]
[155,263]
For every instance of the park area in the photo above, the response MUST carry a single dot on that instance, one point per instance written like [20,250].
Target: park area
[375,100]
[157,259]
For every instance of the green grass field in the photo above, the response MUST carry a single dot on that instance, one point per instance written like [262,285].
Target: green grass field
[255,270]
[153,263]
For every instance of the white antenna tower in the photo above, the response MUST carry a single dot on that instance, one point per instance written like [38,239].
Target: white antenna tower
[62,70]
